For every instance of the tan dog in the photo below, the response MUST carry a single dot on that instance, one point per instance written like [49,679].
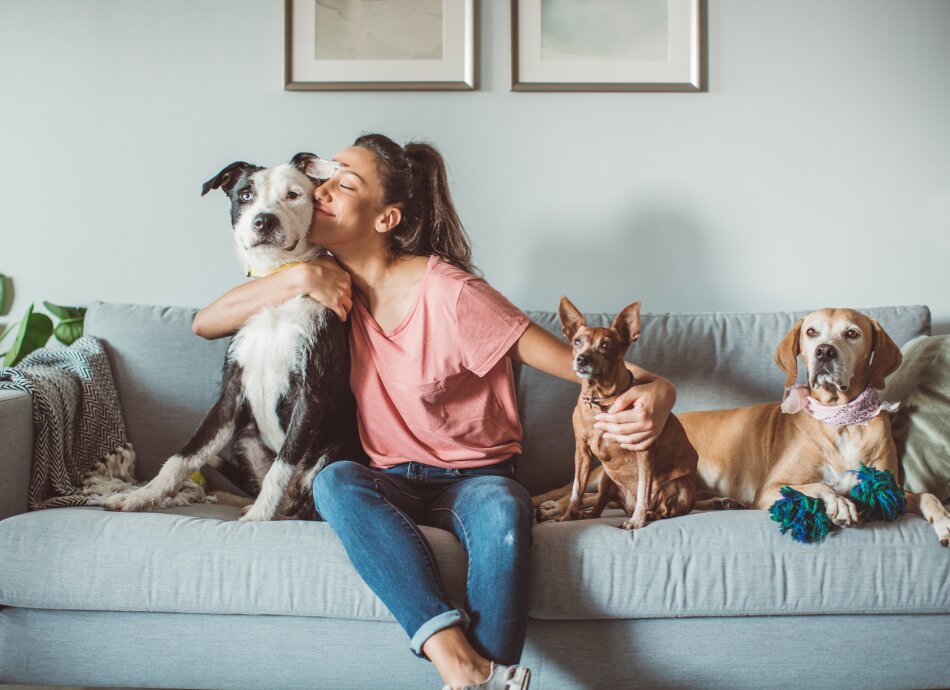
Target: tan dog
[650,485]
[749,453]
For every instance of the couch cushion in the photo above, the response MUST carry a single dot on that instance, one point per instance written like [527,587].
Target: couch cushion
[714,360]
[734,563]
[922,423]
[167,377]
[195,559]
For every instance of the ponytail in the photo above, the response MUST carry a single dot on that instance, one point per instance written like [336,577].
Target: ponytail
[414,177]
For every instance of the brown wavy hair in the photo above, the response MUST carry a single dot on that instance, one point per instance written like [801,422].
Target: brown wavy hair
[414,178]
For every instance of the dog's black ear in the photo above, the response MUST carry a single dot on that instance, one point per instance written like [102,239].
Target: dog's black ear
[571,318]
[227,178]
[627,323]
[885,358]
[786,356]
[311,165]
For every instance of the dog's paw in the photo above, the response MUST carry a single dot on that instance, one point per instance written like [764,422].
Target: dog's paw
[132,502]
[635,523]
[841,510]
[941,525]
[569,515]
[548,511]
[253,513]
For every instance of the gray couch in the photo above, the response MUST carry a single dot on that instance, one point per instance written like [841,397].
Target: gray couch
[191,598]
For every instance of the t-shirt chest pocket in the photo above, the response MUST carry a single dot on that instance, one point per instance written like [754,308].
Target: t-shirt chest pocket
[423,405]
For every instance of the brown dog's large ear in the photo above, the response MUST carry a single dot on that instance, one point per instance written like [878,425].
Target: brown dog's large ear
[571,318]
[786,356]
[627,323]
[885,357]
[227,178]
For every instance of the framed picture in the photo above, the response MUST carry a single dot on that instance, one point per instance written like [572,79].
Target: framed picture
[606,45]
[379,44]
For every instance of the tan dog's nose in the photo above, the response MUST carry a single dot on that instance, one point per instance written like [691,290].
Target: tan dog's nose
[825,353]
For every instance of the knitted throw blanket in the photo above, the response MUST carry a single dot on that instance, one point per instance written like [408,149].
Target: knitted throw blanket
[77,420]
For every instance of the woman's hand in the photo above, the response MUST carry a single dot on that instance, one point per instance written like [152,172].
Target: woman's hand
[324,281]
[636,419]
[321,279]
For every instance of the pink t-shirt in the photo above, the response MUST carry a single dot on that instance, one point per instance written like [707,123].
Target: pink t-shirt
[438,388]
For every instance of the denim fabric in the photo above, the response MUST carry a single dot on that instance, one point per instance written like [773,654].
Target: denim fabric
[376,512]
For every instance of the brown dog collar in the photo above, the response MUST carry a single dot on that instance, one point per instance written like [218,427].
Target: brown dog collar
[600,403]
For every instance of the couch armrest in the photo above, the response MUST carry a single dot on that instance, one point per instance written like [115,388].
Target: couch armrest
[16,451]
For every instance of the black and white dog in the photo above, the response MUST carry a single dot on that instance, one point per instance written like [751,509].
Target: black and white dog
[285,398]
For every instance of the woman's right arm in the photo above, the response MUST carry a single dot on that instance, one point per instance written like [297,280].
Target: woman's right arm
[322,279]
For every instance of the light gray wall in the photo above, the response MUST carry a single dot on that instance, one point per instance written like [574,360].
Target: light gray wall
[815,170]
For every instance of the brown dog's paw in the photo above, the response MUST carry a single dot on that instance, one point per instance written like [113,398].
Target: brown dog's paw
[635,523]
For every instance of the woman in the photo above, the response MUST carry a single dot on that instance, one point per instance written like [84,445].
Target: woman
[430,368]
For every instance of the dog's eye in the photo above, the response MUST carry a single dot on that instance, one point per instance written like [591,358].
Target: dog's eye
[851,334]
[246,196]
[605,345]
[292,194]
[577,342]
[811,332]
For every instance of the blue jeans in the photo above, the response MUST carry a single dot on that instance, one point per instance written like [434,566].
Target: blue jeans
[375,513]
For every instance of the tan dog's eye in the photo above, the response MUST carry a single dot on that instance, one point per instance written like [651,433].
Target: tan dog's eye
[577,342]
[851,333]
[811,332]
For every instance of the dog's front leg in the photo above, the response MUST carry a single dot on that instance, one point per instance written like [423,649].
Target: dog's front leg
[932,510]
[645,460]
[583,458]
[840,509]
[300,434]
[215,430]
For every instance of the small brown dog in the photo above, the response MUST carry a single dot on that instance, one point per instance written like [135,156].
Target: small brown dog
[650,485]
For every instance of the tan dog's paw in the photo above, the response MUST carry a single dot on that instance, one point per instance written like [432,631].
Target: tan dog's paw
[941,525]
[841,510]
[549,510]
[570,514]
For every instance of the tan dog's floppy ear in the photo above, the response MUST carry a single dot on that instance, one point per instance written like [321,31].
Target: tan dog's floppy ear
[571,318]
[786,356]
[627,323]
[885,358]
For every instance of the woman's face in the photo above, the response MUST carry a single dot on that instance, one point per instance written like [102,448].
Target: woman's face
[348,207]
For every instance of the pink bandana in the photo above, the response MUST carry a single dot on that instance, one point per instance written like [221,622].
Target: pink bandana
[858,411]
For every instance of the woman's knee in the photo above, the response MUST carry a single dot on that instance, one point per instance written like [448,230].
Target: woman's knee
[504,510]
[335,480]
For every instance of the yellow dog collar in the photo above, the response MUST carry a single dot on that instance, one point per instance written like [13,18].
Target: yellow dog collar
[258,272]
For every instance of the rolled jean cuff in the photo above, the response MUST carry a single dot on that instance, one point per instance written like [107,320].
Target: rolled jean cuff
[434,625]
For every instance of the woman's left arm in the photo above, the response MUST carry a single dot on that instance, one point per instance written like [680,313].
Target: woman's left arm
[636,418]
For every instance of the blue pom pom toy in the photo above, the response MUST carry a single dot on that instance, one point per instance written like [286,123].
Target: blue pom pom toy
[801,515]
[877,494]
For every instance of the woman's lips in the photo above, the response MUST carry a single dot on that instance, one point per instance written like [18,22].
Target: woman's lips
[323,211]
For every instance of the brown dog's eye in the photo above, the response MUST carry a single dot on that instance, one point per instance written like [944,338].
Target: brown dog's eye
[605,345]
[577,342]
[852,334]
[811,332]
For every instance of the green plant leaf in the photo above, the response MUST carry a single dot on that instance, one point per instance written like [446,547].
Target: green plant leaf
[4,309]
[7,332]
[64,312]
[69,330]
[35,330]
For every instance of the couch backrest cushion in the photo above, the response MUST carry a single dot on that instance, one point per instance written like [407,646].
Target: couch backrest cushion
[715,360]
[168,378]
